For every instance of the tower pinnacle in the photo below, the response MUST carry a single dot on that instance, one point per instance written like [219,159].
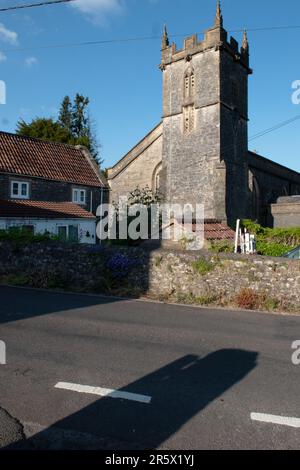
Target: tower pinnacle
[219,17]
[245,44]
[165,38]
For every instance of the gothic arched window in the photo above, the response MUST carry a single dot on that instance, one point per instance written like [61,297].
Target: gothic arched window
[189,83]
[156,178]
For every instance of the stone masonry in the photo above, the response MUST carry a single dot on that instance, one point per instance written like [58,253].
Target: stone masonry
[286,213]
[200,150]
[160,274]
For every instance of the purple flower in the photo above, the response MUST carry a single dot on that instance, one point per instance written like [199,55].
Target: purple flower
[120,265]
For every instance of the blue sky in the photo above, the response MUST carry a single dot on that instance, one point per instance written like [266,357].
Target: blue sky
[123,80]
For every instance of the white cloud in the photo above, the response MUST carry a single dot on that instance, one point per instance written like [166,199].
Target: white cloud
[30,61]
[98,9]
[2,57]
[7,35]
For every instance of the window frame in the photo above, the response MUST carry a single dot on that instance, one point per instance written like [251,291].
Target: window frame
[79,191]
[20,184]
[67,231]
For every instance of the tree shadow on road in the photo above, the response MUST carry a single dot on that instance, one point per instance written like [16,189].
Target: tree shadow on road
[179,391]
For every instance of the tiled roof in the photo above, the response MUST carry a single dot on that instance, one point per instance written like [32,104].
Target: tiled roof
[217,230]
[43,210]
[50,160]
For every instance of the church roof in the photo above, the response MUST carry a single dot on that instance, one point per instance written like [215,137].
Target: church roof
[266,165]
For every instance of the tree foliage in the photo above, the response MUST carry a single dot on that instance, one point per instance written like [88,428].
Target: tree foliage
[42,128]
[74,126]
[65,114]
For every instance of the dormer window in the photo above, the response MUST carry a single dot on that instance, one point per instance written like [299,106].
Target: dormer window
[79,196]
[19,190]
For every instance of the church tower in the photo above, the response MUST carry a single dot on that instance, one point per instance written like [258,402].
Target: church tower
[205,122]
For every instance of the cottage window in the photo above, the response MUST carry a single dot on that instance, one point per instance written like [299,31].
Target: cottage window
[19,190]
[79,196]
[73,234]
[62,232]
[68,232]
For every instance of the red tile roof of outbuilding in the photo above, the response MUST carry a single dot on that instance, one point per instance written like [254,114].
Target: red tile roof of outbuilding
[217,230]
[43,210]
[26,156]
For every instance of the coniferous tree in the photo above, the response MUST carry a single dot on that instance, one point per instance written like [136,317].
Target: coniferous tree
[74,126]
[65,114]
[46,129]
[79,116]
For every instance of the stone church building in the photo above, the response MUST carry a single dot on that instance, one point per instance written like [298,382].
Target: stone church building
[199,152]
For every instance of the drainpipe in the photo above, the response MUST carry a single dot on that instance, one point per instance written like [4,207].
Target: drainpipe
[91,201]
[101,203]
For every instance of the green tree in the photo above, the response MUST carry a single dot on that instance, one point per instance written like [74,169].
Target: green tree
[65,114]
[42,128]
[74,126]
[79,116]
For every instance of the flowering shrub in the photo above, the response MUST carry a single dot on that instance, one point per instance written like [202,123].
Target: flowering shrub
[144,196]
[119,265]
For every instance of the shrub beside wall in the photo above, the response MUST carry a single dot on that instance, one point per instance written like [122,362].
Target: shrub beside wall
[273,241]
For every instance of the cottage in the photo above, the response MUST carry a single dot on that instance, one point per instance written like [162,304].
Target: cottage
[66,220]
[49,187]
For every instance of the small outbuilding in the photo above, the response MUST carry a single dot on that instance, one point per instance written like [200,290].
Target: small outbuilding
[286,212]
[66,220]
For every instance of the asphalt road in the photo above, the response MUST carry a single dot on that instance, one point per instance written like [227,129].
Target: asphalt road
[202,371]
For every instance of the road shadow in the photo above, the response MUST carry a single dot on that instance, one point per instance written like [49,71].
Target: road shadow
[180,391]
[20,304]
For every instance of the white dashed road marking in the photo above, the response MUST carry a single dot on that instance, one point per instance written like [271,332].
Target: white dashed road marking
[282,420]
[103,392]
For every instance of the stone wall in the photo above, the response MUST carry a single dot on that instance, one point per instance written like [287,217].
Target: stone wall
[286,212]
[211,157]
[228,275]
[159,274]
[138,167]
[189,160]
